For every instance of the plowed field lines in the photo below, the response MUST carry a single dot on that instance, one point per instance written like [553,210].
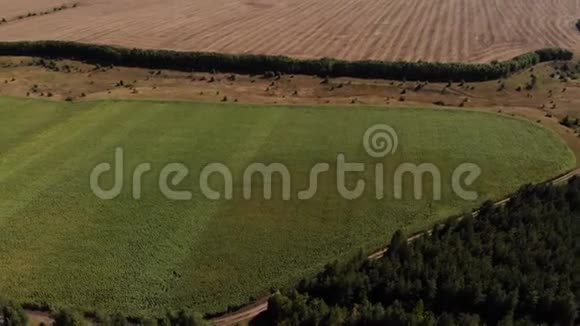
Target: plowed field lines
[428,30]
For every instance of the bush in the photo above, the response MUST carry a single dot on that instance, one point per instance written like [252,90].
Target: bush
[187,318]
[569,122]
[12,314]
[68,318]
[269,74]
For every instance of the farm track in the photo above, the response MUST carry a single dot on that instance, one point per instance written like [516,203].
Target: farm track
[448,30]
[254,309]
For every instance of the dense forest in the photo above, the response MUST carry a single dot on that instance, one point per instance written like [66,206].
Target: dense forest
[260,64]
[513,265]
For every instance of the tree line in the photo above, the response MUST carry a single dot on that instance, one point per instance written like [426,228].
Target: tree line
[513,265]
[260,64]
[13,314]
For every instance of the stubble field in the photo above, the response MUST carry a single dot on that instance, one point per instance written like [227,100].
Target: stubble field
[442,30]
[64,246]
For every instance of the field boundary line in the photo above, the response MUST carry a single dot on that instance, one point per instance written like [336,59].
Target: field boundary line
[108,55]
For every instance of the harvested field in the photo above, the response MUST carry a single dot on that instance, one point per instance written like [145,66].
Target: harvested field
[442,30]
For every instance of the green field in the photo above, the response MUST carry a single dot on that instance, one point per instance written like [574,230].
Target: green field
[60,244]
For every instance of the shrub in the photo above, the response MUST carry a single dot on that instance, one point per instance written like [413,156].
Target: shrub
[269,74]
[12,314]
[68,318]
[569,122]
[533,82]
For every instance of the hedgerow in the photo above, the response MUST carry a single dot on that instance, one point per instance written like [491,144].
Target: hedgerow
[259,64]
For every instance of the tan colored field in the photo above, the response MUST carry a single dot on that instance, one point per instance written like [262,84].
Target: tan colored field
[432,30]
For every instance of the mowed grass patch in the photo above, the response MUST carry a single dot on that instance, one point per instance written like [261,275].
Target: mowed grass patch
[61,245]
